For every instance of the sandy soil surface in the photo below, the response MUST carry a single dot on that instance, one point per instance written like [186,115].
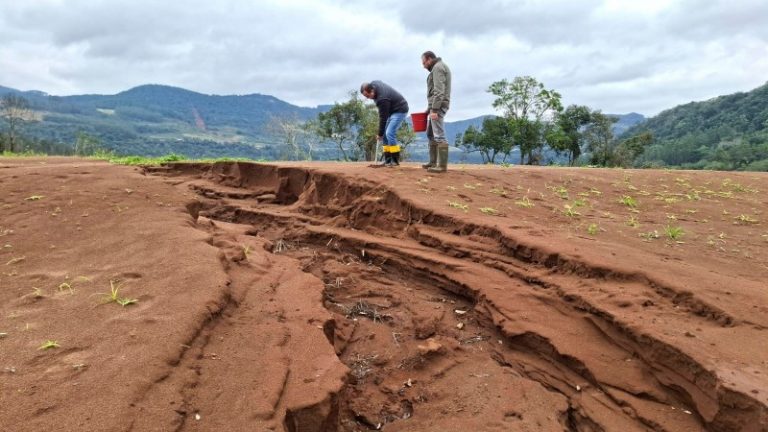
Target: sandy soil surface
[340,297]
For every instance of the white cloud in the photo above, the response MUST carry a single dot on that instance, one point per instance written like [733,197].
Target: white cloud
[615,55]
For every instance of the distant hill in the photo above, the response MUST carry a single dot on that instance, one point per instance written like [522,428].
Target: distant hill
[155,119]
[626,121]
[727,132]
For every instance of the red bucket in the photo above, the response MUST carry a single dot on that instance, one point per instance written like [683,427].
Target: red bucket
[419,121]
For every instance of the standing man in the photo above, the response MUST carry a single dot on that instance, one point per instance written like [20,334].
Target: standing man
[439,98]
[392,111]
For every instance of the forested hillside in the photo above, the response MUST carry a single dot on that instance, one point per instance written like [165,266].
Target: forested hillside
[727,133]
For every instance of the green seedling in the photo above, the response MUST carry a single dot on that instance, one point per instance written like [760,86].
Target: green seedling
[743,219]
[450,188]
[525,202]
[592,229]
[246,250]
[114,295]
[628,201]
[570,211]
[561,192]
[580,203]
[489,211]
[469,186]
[126,301]
[49,344]
[674,232]
[458,205]
[693,196]
[595,192]
[34,198]
[736,187]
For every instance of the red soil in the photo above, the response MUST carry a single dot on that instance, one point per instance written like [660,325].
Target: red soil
[337,297]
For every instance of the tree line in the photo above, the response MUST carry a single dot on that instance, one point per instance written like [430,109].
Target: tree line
[533,120]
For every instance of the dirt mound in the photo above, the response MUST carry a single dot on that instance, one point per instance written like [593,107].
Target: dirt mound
[336,297]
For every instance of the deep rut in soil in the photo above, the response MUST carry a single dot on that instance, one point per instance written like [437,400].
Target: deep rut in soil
[448,325]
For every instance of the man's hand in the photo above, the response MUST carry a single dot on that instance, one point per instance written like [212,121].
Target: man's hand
[433,116]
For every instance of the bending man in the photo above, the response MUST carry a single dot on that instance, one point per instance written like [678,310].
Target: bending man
[392,111]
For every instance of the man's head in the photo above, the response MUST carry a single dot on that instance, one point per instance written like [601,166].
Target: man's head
[428,59]
[367,90]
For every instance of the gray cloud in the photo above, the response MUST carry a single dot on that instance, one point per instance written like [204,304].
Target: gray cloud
[616,55]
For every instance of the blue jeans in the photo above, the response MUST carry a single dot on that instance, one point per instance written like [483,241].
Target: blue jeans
[390,129]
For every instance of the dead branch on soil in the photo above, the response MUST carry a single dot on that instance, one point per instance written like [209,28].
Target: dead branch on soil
[361,365]
[281,246]
[364,309]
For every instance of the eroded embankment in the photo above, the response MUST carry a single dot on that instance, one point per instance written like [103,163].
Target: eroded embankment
[450,325]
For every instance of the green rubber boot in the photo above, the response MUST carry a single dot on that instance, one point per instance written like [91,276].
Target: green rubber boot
[442,159]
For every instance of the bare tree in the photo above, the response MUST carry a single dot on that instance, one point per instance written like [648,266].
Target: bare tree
[294,136]
[14,110]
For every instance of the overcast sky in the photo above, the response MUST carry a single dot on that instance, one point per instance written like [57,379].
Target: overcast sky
[614,55]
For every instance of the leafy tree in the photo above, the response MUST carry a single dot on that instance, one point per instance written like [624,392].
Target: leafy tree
[631,148]
[497,137]
[566,134]
[527,105]
[14,110]
[345,125]
[599,138]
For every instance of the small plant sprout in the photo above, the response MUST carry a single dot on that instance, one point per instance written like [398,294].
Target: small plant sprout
[580,203]
[595,192]
[49,344]
[124,301]
[489,211]
[114,295]
[743,219]
[34,198]
[470,186]
[524,202]
[37,293]
[499,191]
[593,229]
[570,211]
[450,188]
[561,192]
[458,205]
[633,222]
[628,201]
[66,286]
[674,232]
[246,250]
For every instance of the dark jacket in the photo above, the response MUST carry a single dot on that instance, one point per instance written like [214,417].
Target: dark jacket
[439,87]
[388,101]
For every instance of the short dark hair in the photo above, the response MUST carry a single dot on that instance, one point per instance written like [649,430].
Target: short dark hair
[429,54]
[365,87]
